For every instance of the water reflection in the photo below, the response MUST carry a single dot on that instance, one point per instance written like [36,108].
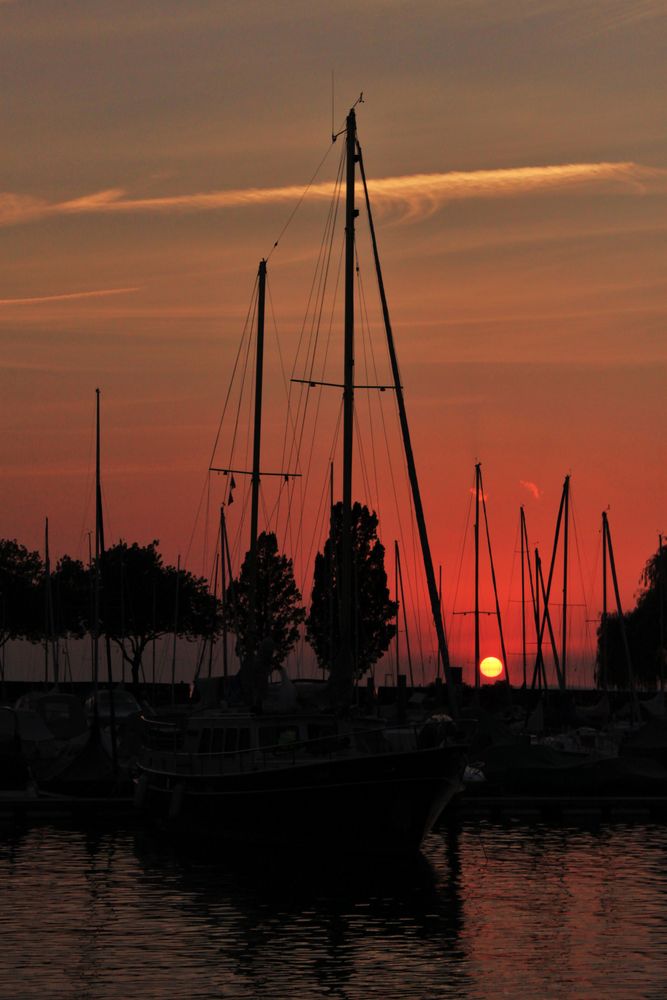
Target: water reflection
[288,920]
[488,911]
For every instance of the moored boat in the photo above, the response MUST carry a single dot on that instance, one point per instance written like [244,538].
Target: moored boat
[295,780]
[308,778]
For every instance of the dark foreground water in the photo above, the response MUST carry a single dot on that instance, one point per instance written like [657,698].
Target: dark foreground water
[488,911]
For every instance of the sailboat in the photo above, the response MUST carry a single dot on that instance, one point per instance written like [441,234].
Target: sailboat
[319,778]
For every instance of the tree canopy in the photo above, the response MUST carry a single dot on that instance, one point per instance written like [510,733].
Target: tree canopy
[21,613]
[643,631]
[372,609]
[142,599]
[278,611]
[72,597]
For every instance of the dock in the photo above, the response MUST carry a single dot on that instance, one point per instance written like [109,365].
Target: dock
[42,807]
[559,808]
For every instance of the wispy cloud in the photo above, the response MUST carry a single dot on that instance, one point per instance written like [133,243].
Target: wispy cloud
[587,17]
[68,296]
[532,488]
[412,195]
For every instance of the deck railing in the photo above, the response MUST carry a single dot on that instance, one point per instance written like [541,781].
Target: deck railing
[273,756]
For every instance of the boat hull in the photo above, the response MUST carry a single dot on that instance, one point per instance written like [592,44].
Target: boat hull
[383,803]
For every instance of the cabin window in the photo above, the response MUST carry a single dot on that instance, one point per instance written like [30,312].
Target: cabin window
[231,740]
[322,739]
[278,736]
[268,736]
[244,739]
[191,742]
[371,741]
[288,736]
[205,741]
[218,740]
[317,731]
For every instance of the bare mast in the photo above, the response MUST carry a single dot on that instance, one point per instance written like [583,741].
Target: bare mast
[523,599]
[477,645]
[345,653]
[100,598]
[256,450]
[566,531]
[410,462]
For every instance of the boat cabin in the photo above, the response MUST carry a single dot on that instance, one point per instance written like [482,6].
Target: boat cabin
[215,742]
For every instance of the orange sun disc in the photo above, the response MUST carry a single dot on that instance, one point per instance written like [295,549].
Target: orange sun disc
[491,666]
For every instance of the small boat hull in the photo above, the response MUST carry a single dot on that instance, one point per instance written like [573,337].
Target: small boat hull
[383,803]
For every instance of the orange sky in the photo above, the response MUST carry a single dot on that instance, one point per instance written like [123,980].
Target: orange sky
[152,152]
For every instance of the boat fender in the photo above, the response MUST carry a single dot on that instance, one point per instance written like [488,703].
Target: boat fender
[176,802]
[140,791]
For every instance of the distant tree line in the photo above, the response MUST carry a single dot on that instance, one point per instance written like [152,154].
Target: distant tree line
[136,599]
[639,633]
[132,597]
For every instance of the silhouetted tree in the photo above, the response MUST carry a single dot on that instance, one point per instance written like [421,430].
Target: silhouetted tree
[372,609]
[278,604]
[21,614]
[71,596]
[643,631]
[138,601]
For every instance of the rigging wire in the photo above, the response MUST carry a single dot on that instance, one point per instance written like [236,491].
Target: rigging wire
[362,461]
[247,324]
[230,386]
[301,199]
[515,551]
[316,293]
[462,554]
[580,565]
[369,376]
[90,486]
[320,391]
[207,516]
[411,575]
[318,528]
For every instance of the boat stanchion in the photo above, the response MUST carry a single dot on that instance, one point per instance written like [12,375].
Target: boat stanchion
[176,801]
[140,791]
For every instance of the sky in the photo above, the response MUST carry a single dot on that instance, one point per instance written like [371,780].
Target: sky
[153,153]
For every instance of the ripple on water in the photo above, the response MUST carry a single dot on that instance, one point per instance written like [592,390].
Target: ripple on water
[488,911]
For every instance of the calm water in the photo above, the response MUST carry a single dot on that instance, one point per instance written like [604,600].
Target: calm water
[489,911]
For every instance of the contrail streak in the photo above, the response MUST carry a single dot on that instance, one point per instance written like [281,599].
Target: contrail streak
[413,194]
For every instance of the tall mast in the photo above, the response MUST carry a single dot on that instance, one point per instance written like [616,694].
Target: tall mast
[439,658]
[399,584]
[173,645]
[257,440]
[99,552]
[547,593]
[539,663]
[603,623]
[98,547]
[223,586]
[47,619]
[523,595]
[410,462]
[50,618]
[345,665]
[501,634]
[661,615]
[332,560]
[398,601]
[566,526]
[619,609]
[477,647]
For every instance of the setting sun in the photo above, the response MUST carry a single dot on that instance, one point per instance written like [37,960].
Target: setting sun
[491,667]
